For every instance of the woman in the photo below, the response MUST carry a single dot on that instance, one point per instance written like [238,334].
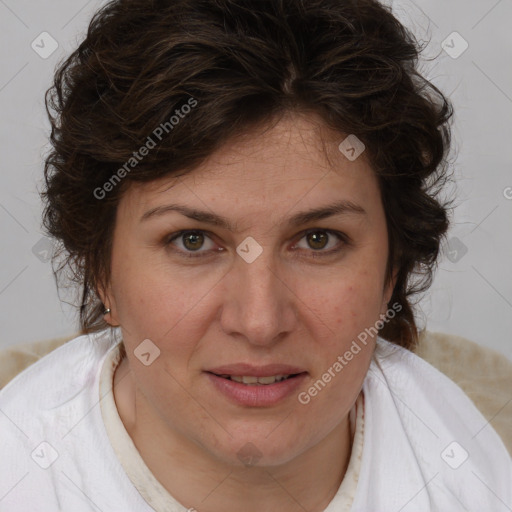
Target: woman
[247,195]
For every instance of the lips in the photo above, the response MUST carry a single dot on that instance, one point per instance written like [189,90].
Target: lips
[256,395]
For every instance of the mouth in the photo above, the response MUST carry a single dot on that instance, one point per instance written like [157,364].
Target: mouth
[257,391]
[252,380]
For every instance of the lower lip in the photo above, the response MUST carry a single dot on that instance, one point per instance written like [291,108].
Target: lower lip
[256,395]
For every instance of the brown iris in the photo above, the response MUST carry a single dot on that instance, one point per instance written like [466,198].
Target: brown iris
[196,240]
[317,237]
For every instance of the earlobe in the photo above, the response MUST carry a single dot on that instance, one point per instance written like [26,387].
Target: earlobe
[104,297]
[388,292]
[107,299]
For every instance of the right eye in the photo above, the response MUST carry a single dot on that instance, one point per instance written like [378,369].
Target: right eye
[189,243]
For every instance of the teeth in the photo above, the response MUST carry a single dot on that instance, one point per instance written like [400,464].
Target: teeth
[257,380]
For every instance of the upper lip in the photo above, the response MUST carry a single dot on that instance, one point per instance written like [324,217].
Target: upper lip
[249,370]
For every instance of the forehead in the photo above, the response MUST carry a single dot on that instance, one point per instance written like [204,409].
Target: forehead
[279,164]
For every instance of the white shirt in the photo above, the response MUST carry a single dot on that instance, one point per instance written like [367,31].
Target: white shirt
[64,447]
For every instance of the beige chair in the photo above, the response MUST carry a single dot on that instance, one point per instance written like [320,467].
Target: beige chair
[483,374]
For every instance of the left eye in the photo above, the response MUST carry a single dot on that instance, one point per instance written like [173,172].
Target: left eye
[191,242]
[319,239]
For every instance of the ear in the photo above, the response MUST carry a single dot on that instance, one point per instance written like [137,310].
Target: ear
[107,298]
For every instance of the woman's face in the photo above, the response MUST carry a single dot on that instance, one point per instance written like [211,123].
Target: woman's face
[252,282]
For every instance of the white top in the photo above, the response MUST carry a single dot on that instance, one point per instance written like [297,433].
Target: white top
[425,445]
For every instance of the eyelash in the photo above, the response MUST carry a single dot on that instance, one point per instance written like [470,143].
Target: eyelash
[315,254]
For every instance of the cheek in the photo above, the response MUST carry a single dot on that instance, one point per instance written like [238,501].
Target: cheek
[346,303]
[344,309]
[151,295]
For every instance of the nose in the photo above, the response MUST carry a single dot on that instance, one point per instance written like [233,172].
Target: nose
[258,304]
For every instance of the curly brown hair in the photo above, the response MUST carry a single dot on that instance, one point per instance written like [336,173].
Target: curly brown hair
[243,63]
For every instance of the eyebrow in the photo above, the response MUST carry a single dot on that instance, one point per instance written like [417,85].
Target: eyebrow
[337,208]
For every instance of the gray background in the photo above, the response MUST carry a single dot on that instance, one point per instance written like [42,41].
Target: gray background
[472,292]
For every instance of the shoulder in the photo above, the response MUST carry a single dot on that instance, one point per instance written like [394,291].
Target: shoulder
[408,375]
[58,375]
[52,394]
[433,428]
[483,375]
[52,434]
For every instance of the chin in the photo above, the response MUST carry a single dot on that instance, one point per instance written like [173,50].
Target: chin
[258,450]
